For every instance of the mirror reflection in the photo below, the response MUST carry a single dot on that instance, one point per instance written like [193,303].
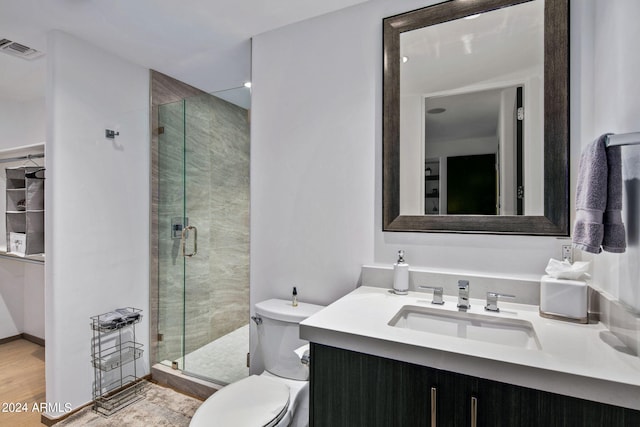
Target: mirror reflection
[471,115]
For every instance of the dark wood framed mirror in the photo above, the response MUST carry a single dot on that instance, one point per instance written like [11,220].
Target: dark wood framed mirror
[553,216]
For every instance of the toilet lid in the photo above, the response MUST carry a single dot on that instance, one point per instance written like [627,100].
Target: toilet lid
[251,402]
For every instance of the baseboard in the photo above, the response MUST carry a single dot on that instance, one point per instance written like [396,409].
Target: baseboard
[50,421]
[9,339]
[33,339]
[23,336]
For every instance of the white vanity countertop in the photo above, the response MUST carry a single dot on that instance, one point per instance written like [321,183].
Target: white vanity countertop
[584,361]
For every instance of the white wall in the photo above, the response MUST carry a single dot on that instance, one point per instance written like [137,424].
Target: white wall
[316,166]
[22,123]
[463,147]
[507,126]
[21,298]
[97,202]
[33,282]
[611,103]
[11,298]
[412,155]
[313,156]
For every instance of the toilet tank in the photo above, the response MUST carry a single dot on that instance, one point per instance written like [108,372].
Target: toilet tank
[279,336]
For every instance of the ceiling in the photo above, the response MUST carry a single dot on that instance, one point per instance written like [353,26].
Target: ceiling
[191,40]
[493,46]
[453,64]
[465,116]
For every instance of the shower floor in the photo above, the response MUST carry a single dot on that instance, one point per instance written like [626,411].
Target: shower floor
[223,361]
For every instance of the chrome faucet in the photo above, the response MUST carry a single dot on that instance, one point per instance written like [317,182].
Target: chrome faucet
[437,293]
[492,301]
[463,295]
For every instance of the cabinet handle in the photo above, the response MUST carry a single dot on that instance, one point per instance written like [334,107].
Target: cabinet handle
[184,241]
[433,406]
[474,411]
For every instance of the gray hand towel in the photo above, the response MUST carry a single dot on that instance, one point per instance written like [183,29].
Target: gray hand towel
[599,200]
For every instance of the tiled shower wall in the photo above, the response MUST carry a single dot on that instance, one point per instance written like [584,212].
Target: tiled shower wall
[212,287]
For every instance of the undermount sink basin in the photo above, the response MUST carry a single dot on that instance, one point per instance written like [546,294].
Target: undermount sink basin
[497,330]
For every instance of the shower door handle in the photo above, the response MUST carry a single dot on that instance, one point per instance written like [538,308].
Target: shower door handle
[185,230]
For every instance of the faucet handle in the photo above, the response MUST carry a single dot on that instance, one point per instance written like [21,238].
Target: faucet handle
[437,293]
[492,300]
[463,295]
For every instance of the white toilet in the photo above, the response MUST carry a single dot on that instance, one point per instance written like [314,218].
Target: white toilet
[280,395]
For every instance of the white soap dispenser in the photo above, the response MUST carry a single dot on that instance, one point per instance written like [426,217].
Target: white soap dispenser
[401,275]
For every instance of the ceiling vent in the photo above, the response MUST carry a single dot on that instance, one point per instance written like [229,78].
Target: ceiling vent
[19,50]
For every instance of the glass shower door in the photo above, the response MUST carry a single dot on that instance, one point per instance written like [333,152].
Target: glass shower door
[217,203]
[208,258]
[171,220]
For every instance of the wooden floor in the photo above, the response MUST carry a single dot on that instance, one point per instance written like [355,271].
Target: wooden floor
[22,381]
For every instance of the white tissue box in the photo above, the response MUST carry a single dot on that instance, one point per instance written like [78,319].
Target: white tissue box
[17,243]
[563,299]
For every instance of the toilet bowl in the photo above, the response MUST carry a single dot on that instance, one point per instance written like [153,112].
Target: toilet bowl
[257,401]
[280,395]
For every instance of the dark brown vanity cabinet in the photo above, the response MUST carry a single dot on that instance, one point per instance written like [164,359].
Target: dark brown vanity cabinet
[352,389]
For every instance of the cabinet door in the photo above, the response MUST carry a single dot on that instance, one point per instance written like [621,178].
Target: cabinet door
[455,392]
[556,410]
[502,404]
[352,389]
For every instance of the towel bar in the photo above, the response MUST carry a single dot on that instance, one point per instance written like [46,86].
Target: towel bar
[632,138]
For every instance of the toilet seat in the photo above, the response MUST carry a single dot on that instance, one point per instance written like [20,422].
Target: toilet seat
[250,402]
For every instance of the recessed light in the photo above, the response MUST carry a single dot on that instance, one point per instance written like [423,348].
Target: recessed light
[405,59]
[247,85]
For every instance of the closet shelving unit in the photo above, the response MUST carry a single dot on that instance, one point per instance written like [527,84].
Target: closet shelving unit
[432,187]
[114,351]
[25,210]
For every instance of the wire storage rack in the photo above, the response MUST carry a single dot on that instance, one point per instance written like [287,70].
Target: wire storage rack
[114,351]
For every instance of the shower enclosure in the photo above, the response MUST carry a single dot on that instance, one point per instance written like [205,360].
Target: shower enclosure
[202,247]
